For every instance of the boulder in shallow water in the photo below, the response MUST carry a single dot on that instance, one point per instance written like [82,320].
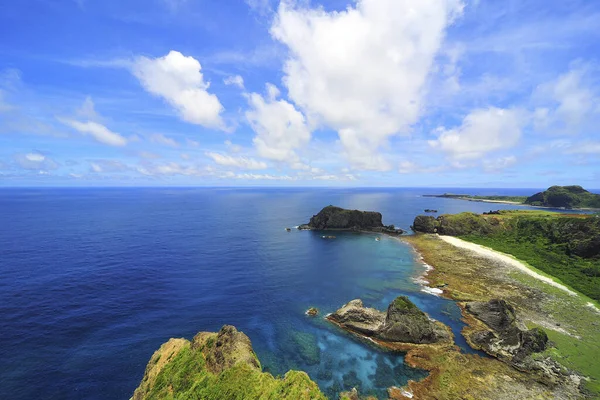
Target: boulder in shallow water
[403,322]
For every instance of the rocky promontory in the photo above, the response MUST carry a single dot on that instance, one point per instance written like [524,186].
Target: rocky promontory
[218,366]
[339,219]
[402,323]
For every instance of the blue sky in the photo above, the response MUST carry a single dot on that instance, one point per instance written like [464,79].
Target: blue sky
[300,93]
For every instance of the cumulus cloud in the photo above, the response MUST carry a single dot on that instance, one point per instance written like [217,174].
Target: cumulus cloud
[363,71]
[567,104]
[36,161]
[481,132]
[236,162]
[161,139]
[178,80]
[98,131]
[235,81]
[280,128]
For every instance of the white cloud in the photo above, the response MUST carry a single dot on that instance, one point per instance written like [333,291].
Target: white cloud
[179,80]
[36,162]
[566,104]
[263,177]
[236,162]
[363,71]
[99,166]
[481,132]
[234,80]
[88,110]
[99,132]
[499,164]
[280,128]
[161,139]
[170,169]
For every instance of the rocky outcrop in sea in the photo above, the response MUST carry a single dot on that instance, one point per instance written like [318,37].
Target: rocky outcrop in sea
[402,323]
[339,219]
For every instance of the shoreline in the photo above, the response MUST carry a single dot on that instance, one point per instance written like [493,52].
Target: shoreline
[569,318]
[507,259]
[513,203]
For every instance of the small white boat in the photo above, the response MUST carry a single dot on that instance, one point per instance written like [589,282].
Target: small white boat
[377,239]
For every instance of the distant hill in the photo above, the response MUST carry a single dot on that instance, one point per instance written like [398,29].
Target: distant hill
[565,196]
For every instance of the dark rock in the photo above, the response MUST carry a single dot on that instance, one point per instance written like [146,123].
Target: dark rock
[403,322]
[350,380]
[312,312]
[425,224]
[497,314]
[356,317]
[336,218]
[505,339]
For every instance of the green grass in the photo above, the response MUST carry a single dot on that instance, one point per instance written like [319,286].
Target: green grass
[186,377]
[581,274]
[564,246]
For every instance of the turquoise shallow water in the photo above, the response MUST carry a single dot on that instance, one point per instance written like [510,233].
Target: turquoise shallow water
[93,281]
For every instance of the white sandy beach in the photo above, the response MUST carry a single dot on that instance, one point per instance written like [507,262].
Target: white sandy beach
[503,258]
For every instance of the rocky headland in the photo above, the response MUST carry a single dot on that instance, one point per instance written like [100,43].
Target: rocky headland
[218,366]
[570,197]
[338,219]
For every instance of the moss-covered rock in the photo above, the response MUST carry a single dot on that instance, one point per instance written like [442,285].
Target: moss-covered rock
[403,322]
[218,366]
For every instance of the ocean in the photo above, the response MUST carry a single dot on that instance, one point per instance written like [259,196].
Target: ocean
[93,281]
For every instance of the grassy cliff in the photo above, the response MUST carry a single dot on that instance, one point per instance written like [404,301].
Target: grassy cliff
[218,366]
[565,196]
[564,246]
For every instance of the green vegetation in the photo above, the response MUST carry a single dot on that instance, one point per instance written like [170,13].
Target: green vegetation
[507,199]
[566,246]
[570,323]
[569,197]
[218,366]
[403,303]
[186,377]
[565,196]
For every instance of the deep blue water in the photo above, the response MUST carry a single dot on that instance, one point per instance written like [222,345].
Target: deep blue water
[93,281]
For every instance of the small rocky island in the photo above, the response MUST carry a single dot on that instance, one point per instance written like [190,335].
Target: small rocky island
[402,323]
[338,219]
